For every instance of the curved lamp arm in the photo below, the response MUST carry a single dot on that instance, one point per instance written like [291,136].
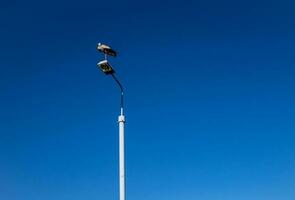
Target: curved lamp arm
[122,93]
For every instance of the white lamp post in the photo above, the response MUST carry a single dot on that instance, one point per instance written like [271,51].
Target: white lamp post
[108,70]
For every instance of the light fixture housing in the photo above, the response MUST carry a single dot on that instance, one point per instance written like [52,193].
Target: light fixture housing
[105,67]
[106,50]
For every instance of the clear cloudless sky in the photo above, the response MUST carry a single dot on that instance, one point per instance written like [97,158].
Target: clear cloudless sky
[209,99]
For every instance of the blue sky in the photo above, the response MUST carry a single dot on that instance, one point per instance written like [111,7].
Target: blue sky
[209,100]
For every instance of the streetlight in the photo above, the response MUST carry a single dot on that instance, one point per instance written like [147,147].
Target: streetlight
[106,50]
[106,68]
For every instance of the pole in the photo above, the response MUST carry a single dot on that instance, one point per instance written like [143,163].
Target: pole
[121,121]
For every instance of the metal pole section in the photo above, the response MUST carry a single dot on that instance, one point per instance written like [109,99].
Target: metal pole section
[121,121]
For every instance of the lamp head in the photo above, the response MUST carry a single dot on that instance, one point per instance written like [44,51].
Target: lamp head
[105,67]
[106,50]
